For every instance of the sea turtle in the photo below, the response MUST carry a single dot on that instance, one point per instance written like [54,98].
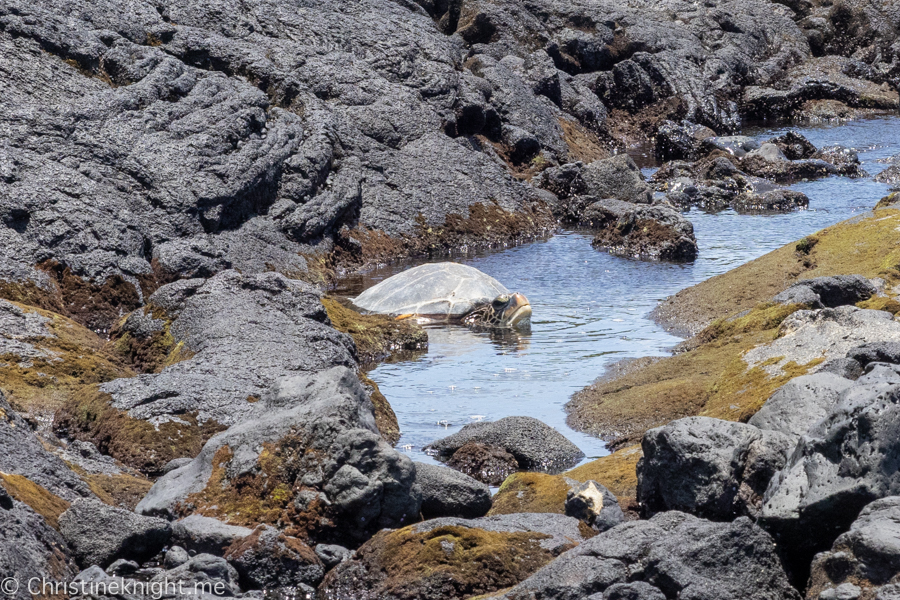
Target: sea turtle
[447,292]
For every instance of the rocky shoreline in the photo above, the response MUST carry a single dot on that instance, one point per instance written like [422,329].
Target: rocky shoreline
[181,404]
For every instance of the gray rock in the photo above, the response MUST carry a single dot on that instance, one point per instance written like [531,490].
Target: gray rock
[21,453]
[175,463]
[657,232]
[797,406]
[708,467]
[535,446]
[29,547]
[269,559]
[890,175]
[868,555]
[330,422]
[842,465]
[332,555]
[678,554]
[882,352]
[100,534]
[205,535]
[617,177]
[175,557]
[203,571]
[638,590]
[680,141]
[831,292]
[592,503]
[449,493]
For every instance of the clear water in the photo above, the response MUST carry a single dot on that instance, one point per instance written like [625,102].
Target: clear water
[591,308]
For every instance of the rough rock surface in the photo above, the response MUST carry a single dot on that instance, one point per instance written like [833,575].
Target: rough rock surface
[710,468]
[830,292]
[536,446]
[488,464]
[452,558]
[268,559]
[656,232]
[205,535]
[868,554]
[797,406]
[679,555]
[843,464]
[595,505]
[314,442]
[449,493]
[29,547]
[23,454]
[100,534]
[808,336]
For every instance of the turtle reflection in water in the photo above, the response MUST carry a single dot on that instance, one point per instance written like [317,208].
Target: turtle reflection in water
[448,292]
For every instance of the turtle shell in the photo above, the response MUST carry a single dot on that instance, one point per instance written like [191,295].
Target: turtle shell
[448,290]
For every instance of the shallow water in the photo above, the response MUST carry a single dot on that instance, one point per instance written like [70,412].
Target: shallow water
[591,308]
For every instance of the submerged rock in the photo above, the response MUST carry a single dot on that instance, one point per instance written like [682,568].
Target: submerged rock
[534,445]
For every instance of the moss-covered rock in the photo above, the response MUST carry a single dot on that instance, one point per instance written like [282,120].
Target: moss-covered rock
[88,415]
[40,499]
[451,559]
[531,493]
[376,336]
[710,378]
[868,245]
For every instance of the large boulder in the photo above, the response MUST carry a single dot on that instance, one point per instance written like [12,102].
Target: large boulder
[679,555]
[617,177]
[449,493]
[797,406]
[100,534]
[844,463]
[452,558]
[309,455]
[707,467]
[536,446]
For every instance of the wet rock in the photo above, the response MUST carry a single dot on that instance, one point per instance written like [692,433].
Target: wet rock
[485,463]
[780,200]
[826,78]
[657,232]
[452,558]
[344,481]
[332,555]
[830,292]
[890,175]
[268,559]
[448,493]
[868,555]
[736,145]
[205,535]
[800,404]
[707,467]
[794,146]
[677,554]
[595,505]
[534,445]
[681,141]
[617,177]
[100,534]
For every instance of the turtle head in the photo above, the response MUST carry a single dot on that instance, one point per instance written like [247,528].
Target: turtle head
[509,310]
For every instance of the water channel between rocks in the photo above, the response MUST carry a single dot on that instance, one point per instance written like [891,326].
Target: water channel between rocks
[592,308]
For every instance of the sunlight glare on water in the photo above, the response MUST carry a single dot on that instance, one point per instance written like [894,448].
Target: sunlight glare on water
[591,308]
